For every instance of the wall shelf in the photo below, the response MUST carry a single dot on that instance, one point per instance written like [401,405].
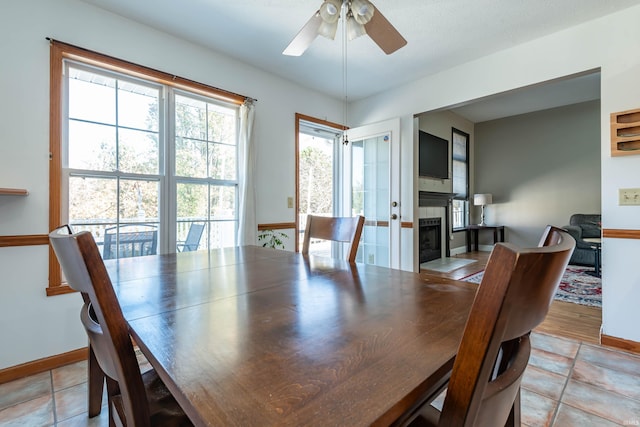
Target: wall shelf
[13,192]
[625,133]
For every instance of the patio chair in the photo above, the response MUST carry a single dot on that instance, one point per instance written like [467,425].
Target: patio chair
[193,238]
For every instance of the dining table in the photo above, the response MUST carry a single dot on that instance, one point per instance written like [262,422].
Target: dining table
[253,336]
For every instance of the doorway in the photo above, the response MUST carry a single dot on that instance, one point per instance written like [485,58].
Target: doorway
[318,163]
[359,177]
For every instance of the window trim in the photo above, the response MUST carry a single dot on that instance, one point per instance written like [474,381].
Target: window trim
[60,51]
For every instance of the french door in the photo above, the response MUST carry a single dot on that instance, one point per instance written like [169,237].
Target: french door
[371,187]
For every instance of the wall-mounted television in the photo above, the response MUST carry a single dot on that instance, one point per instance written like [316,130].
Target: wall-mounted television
[434,156]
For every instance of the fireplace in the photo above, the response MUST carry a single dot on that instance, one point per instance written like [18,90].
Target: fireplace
[430,235]
[438,239]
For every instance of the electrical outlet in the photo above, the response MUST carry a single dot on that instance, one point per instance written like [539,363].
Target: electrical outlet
[628,196]
[290,202]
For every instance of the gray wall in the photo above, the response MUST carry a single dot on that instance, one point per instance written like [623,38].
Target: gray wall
[540,167]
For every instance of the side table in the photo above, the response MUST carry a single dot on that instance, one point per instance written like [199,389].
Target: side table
[472,234]
[596,245]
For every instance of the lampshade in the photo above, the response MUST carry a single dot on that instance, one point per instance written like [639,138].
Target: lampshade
[328,29]
[362,11]
[482,199]
[354,29]
[330,11]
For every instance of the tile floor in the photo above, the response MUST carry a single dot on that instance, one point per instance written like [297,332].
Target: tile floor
[567,383]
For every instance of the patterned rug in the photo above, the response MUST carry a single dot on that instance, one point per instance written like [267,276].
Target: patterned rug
[576,286]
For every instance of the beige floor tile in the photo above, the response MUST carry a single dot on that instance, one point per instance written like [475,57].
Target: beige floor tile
[25,389]
[70,375]
[603,403]
[572,417]
[83,420]
[551,362]
[536,410]
[562,346]
[71,401]
[35,412]
[608,379]
[544,382]
[609,358]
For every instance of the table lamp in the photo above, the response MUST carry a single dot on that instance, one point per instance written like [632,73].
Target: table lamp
[482,200]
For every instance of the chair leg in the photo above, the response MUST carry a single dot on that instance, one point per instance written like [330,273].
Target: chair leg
[96,385]
[113,389]
[514,415]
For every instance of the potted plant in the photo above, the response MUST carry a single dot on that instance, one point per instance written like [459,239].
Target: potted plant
[272,239]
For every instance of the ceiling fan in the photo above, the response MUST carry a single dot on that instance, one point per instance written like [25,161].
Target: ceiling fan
[362,17]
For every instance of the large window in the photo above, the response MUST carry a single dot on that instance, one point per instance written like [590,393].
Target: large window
[146,162]
[460,155]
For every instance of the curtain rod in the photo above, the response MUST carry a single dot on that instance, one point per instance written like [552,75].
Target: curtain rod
[173,76]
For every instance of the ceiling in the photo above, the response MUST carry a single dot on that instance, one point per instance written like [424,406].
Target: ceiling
[440,34]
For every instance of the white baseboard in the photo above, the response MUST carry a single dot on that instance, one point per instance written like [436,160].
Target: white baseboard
[463,249]
[459,250]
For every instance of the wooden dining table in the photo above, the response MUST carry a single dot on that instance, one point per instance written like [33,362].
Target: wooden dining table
[252,336]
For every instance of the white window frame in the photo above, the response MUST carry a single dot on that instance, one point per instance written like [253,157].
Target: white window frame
[58,175]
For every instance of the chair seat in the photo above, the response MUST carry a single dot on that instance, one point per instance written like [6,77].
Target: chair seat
[428,417]
[163,408]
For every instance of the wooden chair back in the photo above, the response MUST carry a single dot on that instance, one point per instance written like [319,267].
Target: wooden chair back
[104,322]
[514,296]
[338,229]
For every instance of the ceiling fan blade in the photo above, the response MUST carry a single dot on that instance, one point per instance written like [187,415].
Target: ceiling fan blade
[305,36]
[383,33]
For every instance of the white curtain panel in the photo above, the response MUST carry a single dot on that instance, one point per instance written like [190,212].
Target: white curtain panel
[247,227]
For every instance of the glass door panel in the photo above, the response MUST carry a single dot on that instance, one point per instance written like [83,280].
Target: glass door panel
[372,189]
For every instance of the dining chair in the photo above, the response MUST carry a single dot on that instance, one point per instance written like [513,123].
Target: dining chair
[192,241]
[338,229]
[134,399]
[513,298]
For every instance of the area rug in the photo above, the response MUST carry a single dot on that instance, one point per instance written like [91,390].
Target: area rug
[576,286]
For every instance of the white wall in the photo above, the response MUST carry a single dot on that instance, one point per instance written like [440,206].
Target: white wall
[609,43]
[34,326]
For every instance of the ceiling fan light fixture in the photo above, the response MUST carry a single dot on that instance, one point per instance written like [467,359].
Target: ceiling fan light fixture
[330,11]
[354,28]
[360,17]
[328,29]
[362,11]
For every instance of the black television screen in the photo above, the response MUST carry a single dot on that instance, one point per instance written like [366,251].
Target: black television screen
[434,156]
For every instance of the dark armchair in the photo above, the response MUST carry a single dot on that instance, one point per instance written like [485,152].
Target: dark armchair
[584,226]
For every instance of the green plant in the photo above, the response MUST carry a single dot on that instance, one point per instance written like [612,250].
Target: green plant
[272,239]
